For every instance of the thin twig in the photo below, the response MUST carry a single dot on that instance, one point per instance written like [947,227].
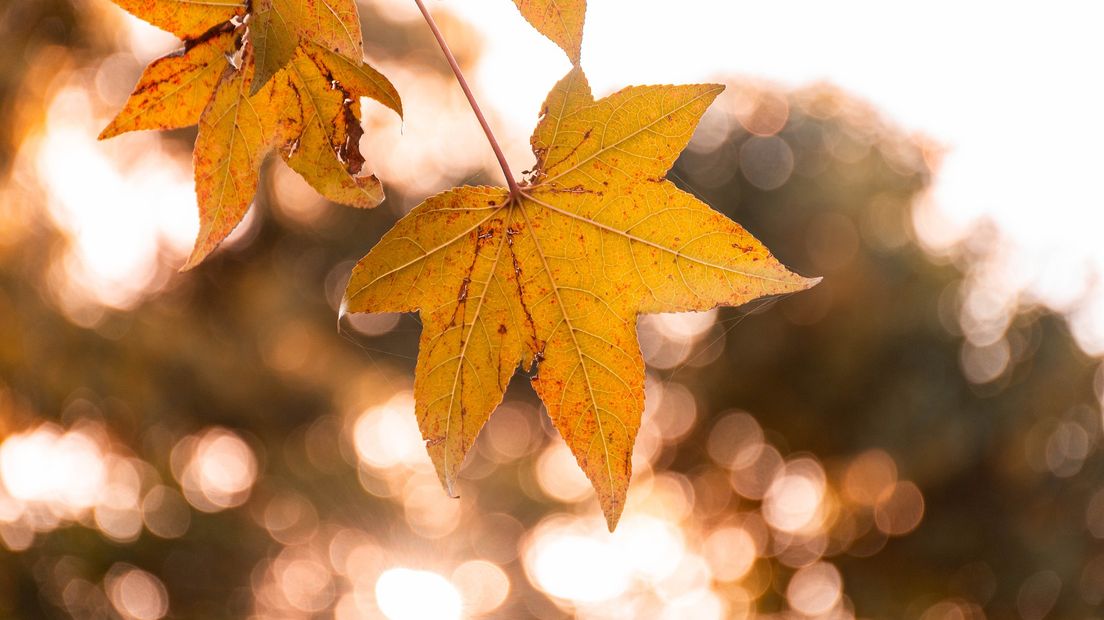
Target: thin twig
[515,191]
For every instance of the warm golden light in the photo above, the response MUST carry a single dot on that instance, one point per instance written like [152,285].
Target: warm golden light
[483,586]
[952,348]
[387,435]
[165,512]
[216,469]
[899,509]
[570,565]
[815,589]
[50,477]
[731,553]
[64,471]
[793,502]
[407,594]
[133,189]
[136,594]
[868,475]
[559,475]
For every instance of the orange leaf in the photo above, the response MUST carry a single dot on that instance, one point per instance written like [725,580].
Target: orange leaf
[559,20]
[298,90]
[329,134]
[186,19]
[280,26]
[174,89]
[233,141]
[556,278]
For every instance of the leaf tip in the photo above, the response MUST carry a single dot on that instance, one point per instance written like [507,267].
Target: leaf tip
[193,261]
[612,512]
[200,252]
[396,106]
[448,479]
[612,501]
[342,311]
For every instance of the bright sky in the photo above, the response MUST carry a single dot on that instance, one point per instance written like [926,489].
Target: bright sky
[1012,89]
[1015,93]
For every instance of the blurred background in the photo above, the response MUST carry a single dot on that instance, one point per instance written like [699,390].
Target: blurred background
[917,437]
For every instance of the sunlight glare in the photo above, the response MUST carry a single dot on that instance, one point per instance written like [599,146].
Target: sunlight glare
[136,594]
[408,594]
[101,193]
[569,563]
[387,435]
[63,470]
[217,469]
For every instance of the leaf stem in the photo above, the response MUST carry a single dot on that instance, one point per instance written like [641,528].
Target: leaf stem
[515,191]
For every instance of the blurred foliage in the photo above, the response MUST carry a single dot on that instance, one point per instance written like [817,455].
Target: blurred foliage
[871,358]
[874,358]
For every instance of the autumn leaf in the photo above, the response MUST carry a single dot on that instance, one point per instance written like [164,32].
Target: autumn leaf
[287,77]
[174,89]
[186,19]
[559,20]
[274,37]
[281,26]
[327,126]
[554,279]
[235,134]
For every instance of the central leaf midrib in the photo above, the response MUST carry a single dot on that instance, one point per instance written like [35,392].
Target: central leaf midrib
[229,157]
[578,349]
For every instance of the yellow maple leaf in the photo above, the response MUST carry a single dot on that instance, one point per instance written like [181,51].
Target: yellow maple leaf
[174,89]
[327,125]
[280,26]
[307,107]
[556,277]
[235,134]
[559,20]
[186,19]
